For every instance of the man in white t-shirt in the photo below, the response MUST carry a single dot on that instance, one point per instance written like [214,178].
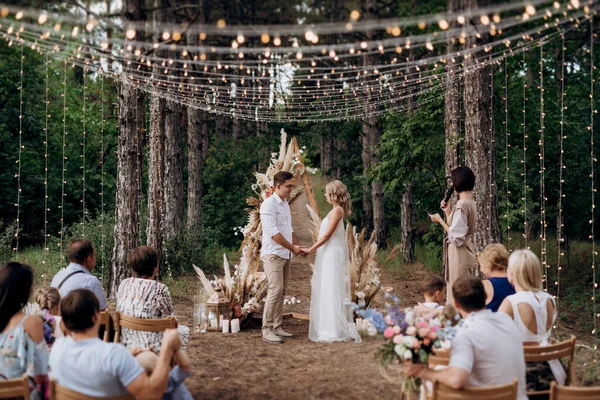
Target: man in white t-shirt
[487,349]
[84,363]
[278,244]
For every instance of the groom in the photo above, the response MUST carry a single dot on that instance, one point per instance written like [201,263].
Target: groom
[278,244]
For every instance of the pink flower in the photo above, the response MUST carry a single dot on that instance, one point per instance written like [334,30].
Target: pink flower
[421,324]
[433,335]
[398,339]
[423,332]
[417,344]
[389,332]
[411,330]
[426,342]
[389,320]
[397,329]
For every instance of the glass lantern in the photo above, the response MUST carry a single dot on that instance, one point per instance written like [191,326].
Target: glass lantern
[217,310]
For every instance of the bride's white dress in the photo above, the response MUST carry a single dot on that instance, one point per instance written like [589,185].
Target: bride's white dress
[330,316]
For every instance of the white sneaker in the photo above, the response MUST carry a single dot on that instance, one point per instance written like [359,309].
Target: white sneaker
[271,337]
[281,333]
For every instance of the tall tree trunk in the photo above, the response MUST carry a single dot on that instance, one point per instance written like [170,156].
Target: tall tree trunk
[327,137]
[197,144]
[366,159]
[377,187]
[173,184]
[127,203]
[480,148]
[156,178]
[407,226]
[197,150]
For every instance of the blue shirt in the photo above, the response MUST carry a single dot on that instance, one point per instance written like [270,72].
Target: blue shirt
[83,280]
[93,367]
[502,289]
[176,390]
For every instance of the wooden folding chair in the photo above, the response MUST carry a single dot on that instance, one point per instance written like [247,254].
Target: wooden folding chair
[141,324]
[574,393]
[105,322]
[565,349]
[18,387]
[500,392]
[440,357]
[58,392]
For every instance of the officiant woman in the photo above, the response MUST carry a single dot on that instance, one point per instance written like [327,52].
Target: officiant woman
[459,226]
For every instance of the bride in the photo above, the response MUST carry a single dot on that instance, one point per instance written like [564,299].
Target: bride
[330,316]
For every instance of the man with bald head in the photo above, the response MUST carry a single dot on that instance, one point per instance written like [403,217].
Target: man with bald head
[78,274]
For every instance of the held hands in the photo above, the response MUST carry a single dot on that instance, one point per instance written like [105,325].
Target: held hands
[299,250]
[309,250]
[411,369]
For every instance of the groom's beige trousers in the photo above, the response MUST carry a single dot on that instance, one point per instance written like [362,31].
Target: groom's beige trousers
[277,270]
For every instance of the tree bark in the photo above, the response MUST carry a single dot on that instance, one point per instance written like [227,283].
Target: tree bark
[197,144]
[156,178]
[407,226]
[327,138]
[173,184]
[197,150]
[127,203]
[377,187]
[480,148]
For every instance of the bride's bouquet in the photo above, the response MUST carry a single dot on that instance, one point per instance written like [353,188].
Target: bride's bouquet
[408,337]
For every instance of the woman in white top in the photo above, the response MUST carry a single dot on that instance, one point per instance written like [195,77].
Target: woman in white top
[534,313]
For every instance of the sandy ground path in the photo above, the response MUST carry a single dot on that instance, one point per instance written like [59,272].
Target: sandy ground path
[243,366]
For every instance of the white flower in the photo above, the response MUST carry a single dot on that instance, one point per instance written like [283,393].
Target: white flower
[407,355]
[372,331]
[298,301]
[399,349]
[293,300]
[408,341]
[360,295]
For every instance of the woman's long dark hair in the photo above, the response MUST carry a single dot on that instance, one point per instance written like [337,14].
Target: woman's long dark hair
[16,281]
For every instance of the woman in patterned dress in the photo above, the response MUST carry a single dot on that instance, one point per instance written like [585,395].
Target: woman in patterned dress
[22,346]
[141,296]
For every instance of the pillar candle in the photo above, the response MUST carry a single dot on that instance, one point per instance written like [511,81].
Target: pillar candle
[225,325]
[235,325]
[359,324]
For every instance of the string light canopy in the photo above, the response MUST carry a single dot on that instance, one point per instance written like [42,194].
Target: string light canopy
[291,72]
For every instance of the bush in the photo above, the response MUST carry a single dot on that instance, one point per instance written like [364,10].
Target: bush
[7,234]
[193,246]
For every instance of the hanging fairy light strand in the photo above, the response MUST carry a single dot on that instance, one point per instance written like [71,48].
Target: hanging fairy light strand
[542,172]
[562,137]
[592,164]
[506,155]
[102,235]
[18,176]
[83,145]
[64,158]
[46,116]
[524,159]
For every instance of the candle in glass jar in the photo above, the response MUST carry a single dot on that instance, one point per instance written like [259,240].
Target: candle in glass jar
[213,323]
[359,324]
[225,326]
[235,325]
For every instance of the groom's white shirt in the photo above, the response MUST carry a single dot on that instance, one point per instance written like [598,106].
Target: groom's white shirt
[276,218]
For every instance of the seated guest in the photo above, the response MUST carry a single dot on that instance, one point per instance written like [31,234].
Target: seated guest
[78,274]
[534,312]
[176,389]
[88,365]
[48,299]
[22,346]
[433,289]
[486,351]
[493,261]
[141,296]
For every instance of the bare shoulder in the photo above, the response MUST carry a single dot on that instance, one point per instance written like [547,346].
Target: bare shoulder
[337,212]
[34,328]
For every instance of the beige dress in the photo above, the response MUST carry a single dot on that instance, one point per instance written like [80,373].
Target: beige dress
[461,259]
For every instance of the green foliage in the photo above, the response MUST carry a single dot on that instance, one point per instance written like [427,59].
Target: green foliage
[7,234]
[192,246]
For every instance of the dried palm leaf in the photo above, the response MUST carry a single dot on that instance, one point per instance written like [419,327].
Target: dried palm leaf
[282,147]
[205,282]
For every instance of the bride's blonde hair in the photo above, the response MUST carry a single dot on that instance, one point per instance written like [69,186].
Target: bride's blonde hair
[339,195]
